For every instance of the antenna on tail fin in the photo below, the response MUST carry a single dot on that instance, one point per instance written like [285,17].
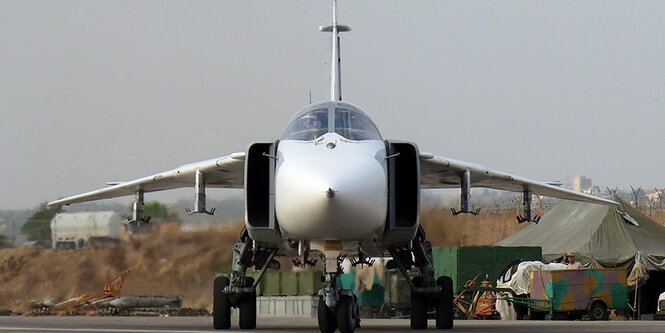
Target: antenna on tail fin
[335,61]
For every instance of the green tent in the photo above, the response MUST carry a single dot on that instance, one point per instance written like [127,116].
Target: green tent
[608,236]
[604,236]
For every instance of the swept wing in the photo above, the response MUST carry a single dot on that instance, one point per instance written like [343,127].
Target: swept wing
[223,172]
[443,172]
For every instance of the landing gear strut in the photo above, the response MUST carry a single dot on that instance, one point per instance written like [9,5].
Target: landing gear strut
[238,290]
[338,308]
[137,223]
[526,203]
[426,291]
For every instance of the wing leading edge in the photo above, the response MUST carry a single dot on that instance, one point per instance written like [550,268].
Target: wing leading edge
[228,172]
[223,172]
[443,172]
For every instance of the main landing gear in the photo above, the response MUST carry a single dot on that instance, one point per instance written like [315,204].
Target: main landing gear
[426,291]
[238,290]
[337,308]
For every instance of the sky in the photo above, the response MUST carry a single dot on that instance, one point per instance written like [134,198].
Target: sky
[97,91]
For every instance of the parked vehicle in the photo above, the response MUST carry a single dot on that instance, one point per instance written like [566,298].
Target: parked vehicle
[576,292]
[660,314]
[79,230]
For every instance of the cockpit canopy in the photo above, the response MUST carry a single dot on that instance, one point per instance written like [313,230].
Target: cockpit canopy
[331,117]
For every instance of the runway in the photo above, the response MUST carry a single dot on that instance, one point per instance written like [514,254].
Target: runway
[204,324]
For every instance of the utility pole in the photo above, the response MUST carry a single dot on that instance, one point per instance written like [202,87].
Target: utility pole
[4,227]
[14,232]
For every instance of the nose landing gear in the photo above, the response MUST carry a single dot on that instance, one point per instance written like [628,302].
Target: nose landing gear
[348,318]
[327,317]
[338,308]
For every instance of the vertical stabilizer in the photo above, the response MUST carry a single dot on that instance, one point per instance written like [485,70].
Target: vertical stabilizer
[335,61]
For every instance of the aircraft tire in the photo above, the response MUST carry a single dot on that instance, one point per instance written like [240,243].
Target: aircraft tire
[221,306]
[247,308]
[418,307]
[347,321]
[444,307]
[326,317]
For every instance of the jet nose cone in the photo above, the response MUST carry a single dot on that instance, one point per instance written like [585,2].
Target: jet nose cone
[330,193]
[322,198]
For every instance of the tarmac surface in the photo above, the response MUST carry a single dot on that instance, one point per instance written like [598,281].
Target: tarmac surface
[204,324]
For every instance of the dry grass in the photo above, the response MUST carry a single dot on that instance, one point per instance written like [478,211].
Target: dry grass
[165,262]
[658,217]
[173,262]
[444,229]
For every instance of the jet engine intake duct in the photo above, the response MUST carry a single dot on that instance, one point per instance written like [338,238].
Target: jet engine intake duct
[403,191]
[260,192]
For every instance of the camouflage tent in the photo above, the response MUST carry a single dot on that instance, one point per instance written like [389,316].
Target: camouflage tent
[606,236]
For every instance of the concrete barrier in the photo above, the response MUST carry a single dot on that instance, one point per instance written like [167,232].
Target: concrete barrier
[287,306]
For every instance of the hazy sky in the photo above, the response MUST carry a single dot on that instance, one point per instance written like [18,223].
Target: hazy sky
[96,91]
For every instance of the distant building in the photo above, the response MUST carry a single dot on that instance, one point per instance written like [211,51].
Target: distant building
[655,196]
[582,184]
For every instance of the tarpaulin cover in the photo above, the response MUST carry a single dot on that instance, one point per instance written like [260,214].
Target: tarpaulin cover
[605,236]
[519,281]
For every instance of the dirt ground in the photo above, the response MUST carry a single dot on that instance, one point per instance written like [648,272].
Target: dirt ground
[162,263]
[173,262]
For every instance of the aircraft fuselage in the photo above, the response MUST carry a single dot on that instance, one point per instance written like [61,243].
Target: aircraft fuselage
[331,188]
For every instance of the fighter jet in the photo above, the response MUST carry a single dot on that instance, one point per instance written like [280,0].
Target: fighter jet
[332,188]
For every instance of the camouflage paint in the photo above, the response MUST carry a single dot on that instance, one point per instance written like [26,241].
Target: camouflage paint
[619,296]
[576,289]
[554,289]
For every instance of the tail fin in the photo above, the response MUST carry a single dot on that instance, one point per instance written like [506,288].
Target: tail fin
[336,60]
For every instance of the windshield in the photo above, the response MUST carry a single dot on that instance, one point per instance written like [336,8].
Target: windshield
[353,125]
[309,126]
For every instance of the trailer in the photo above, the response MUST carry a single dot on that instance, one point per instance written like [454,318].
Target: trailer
[79,230]
[576,292]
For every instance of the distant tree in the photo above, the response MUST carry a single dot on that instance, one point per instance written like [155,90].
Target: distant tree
[38,226]
[159,213]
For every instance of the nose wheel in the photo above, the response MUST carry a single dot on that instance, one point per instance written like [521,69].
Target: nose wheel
[327,317]
[347,313]
[345,316]
[338,308]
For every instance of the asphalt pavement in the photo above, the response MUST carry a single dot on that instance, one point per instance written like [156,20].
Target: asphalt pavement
[204,324]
